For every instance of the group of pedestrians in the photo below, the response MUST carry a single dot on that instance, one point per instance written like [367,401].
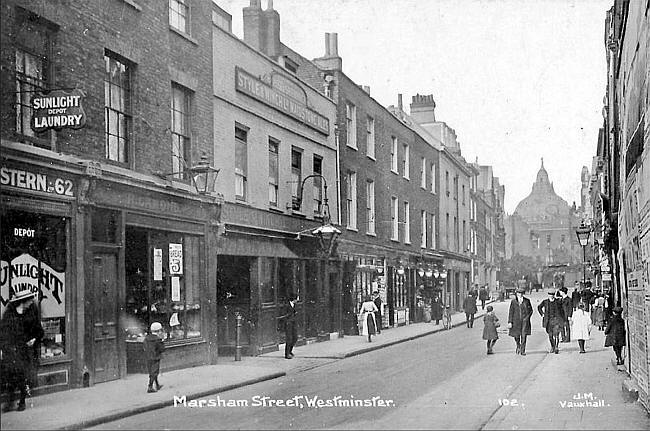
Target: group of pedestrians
[563,318]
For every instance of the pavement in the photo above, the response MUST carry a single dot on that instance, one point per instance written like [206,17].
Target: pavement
[106,402]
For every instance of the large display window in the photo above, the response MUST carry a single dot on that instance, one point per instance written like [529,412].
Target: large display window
[163,284]
[33,256]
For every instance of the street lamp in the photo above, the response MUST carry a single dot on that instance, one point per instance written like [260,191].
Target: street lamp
[203,175]
[583,233]
[441,277]
[327,233]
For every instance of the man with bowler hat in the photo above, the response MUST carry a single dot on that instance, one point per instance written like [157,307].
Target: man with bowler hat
[552,318]
[519,316]
[567,307]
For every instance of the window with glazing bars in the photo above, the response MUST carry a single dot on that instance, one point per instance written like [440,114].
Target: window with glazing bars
[117,107]
[318,184]
[273,171]
[180,130]
[241,162]
[178,15]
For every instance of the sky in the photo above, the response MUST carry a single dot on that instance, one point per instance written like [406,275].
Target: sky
[518,80]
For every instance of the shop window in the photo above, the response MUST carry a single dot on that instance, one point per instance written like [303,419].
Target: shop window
[267,270]
[33,252]
[163,283]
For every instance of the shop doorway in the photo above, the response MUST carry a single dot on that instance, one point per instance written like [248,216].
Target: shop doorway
[234,296]
[105,340]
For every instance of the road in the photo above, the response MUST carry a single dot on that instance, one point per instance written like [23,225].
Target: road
[441,381]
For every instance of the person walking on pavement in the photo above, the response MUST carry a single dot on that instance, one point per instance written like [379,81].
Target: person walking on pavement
[368,310]
[469,306]
[490,325]
[377,302]
[598,312]
[20,333]
[519,316]
[436,309]
[552,319]
[567,307]
[153,349]
[483,296]
[290,326]
[615,334]
[581,323]
[575,298]
[587,296]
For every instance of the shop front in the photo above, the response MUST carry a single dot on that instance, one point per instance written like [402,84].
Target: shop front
[39,230]
[259,268]
[147,260]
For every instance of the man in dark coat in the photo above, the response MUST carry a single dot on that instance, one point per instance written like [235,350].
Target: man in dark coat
[377,302]
[483,296]
[20,332]
[567,307]
[469,306]
[587,296]
[290,326]
[575,298]
[436,309]
[552,319]
[615,334]
[519,316]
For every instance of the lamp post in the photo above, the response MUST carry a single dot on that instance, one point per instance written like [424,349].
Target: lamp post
[583,233]
[327,233]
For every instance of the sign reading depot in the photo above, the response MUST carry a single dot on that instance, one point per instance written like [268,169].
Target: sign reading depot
[36,181]
[58,109]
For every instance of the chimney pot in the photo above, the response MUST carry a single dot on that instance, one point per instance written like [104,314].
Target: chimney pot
[269,5]
[399,102]
[334,44]
[327,45]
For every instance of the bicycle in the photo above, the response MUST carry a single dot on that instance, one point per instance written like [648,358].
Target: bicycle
[446,318]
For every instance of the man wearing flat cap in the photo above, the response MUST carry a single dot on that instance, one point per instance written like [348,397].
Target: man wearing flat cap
[552,318]
[20,333]
[519,320]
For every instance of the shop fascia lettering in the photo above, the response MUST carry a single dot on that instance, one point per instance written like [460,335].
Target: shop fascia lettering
[57,110]
[28,273]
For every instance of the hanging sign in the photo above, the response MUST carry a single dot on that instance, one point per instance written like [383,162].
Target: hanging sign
[175,259]
[28,273]
[58,109]
[157,264]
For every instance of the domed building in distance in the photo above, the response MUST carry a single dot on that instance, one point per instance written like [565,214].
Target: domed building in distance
[543,227]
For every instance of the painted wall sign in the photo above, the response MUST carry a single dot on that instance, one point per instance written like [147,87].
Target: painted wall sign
[267,94]
[27,273]
[38,182]
[58,109]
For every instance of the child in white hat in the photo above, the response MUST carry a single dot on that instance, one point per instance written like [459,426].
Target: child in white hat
[153,348]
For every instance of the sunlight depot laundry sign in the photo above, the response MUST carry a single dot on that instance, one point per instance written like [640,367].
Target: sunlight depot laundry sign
[58,109]
[27,273]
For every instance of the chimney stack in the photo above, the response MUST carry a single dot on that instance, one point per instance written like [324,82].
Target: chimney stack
[272,47]
[331,59]
[254,25]
[399,102]
[423,109]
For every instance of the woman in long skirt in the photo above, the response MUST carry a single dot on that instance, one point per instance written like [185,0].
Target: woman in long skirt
[368,309]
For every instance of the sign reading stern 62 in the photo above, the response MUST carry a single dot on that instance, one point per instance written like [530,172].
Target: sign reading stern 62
[38,182]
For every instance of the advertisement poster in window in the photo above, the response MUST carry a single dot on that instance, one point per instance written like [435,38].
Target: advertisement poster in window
[175,259]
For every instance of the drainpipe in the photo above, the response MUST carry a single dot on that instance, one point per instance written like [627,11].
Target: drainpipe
[338,175]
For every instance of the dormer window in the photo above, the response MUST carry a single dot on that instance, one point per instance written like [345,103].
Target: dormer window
[290,65]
